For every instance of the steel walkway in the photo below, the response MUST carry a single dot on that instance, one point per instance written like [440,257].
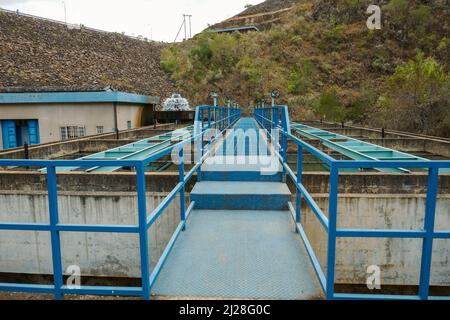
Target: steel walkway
[240,239]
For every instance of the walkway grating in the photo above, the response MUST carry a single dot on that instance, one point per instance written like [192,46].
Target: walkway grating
[240,240]
[239,254]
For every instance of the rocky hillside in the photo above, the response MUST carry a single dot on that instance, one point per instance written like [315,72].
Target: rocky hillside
[35,52]
[327,64]
[269,6]
[263,15]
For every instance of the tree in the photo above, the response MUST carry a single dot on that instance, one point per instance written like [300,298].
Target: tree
[300,78]
[417,97]
[329,107]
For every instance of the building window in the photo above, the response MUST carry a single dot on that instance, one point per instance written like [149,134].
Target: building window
[81,132]
[100,129]
[129,124]
[71,132]
[63,133]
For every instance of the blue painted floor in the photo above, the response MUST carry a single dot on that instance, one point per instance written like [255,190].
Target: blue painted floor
[238,254]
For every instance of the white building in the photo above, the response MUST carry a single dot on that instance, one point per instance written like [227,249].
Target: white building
[41,117]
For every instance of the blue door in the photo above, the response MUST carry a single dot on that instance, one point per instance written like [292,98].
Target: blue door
[33,131]
[9,134]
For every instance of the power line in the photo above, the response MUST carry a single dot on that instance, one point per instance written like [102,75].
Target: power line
[182,24]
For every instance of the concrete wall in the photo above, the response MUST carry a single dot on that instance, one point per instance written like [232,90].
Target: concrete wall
[91,144]
[372,200]
[113,255]
[51,117]
[131,113]
[398,259]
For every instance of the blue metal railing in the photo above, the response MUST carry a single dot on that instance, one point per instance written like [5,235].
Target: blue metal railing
[278,118]
[215,115]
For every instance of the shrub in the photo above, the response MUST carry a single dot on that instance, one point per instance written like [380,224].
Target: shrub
[169,60]
[421,17]
[416,97]
[328,106]
[300,78]
[331,38]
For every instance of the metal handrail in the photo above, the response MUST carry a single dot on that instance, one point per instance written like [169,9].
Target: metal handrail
[268,119]
[144,222]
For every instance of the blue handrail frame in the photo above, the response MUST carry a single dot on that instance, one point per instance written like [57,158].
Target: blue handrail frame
[269,119]
[221,118]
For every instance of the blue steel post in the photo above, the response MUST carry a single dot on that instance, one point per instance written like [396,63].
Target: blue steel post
[209,126]
[271,118]
[220,119]
[143,236]
[183,189]
[197,142]
[199,152]
[203,129]
[332,222]
[54,233]
[227,121]
[258,141]
[266,116]
[427,247]
[275,117]
[215,121]
[284,144]
[263,120]
[299,182]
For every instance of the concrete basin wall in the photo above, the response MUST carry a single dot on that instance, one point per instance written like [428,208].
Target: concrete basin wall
[385,201]
[398,259]
[97,254]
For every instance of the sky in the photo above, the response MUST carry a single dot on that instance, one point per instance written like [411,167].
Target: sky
[159,20]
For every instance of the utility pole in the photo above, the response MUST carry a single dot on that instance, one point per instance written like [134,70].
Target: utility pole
[187,33]
[190,26]
[65,12]
[185,29]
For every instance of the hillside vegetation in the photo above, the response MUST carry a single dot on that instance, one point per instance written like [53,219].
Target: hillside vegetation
[327,64]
